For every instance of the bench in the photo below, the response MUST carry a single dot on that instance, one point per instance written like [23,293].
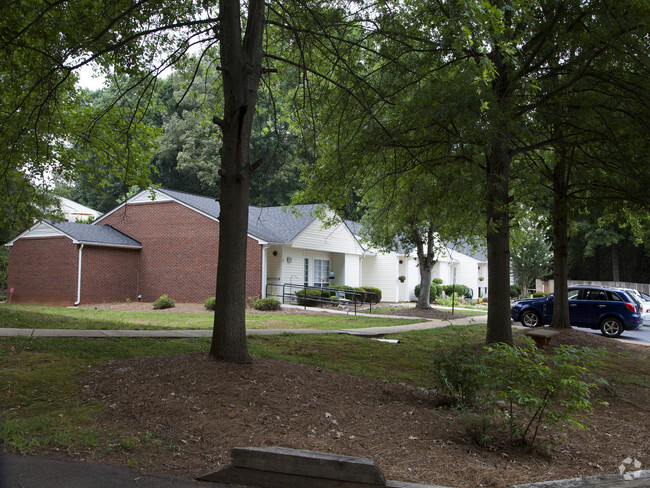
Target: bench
[542,337]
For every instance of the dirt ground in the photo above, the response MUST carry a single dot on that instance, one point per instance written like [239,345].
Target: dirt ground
[203,408]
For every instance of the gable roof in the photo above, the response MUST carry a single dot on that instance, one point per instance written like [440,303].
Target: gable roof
[279,225]
[93,235]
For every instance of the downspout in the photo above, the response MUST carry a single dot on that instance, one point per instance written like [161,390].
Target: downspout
[81,248]
[265,248]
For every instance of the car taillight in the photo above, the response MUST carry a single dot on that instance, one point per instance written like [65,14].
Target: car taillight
[647,311]
[631,307]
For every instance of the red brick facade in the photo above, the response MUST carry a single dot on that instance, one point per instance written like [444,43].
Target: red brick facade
[45,270]
[178,258]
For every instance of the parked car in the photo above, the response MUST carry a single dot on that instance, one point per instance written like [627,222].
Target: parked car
[644,301]
[611,310]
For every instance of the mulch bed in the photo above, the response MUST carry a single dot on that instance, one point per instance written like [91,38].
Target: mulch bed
[204,408]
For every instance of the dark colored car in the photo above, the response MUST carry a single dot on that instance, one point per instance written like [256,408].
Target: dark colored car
[609,309]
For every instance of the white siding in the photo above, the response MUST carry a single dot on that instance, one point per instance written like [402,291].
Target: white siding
[352,275]
[381,271]
[274,269]
[337,239]
[40,229]
[145,197]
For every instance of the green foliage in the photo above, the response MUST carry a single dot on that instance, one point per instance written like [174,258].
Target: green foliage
[437,281]
[515,291]
[539,388]
[373,294]
[450,300]
[461,290]
[267,304]
[164,302]
[312,296]
[348,291]
[457,374]
[539,294]
[4,270]
[435,290]
[210,303]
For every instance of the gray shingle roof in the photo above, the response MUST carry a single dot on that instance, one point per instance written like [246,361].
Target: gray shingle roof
[97,234]
[272,224]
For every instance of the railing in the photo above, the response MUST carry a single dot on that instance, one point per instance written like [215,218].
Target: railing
[291,294]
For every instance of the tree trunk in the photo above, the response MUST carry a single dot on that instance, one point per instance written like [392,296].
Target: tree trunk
[241,68]
[560,212]
[499,329]
[425,262]
[425,284]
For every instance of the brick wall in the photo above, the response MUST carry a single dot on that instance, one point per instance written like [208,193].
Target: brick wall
[43,270]
[109,274]
[179,251]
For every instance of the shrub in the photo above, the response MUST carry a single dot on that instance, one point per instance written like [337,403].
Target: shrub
[435,290]
[461,290]
[360,295]
[164,302]
[515,291]
[539,388]
[311,296]
[457,374]
[437,281]
[450,300]
[210,303]
[266,304]
[346,291]
[539,294]
[376,298]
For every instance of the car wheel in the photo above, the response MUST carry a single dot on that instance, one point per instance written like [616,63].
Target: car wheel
[611,327]
[530,318]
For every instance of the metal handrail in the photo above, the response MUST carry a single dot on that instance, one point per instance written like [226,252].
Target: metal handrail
[290,295]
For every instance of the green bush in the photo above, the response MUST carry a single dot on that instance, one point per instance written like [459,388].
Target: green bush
[266,304]
[346,292]
[450,300]
[435,290]
[457,375]
[461,290]
[210,303]
[515,291]
[360,295]
[376,298]
[311,296]
[437,281]
[164,302]
[539,388]
[539,294]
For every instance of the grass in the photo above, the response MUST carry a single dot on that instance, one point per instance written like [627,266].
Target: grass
[41,379]
[48,317]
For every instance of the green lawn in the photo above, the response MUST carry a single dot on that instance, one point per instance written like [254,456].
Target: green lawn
[41,387]
[47,317]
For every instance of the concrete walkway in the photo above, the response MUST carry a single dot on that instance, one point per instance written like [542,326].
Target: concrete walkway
[189,333]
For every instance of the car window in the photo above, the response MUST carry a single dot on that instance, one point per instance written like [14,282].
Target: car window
[573,294]
[594,295]
[614,297]
[645,297]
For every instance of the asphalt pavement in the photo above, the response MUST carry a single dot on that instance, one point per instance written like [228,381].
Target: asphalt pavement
[47,472]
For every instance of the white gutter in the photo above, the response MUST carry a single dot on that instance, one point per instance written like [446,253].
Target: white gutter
[264,270]
[81,248]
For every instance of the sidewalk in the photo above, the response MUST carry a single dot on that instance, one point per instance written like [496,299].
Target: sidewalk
[186,333]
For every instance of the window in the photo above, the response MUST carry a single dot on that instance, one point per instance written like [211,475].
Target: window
[573,294]
[321,272]
[306,276]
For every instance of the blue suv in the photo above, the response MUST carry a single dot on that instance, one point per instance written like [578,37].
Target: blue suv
[609,309]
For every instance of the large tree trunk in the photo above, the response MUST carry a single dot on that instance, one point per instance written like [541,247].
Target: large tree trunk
[498,163]
[497,167]
[425,262]
[241,68]
[560,318]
